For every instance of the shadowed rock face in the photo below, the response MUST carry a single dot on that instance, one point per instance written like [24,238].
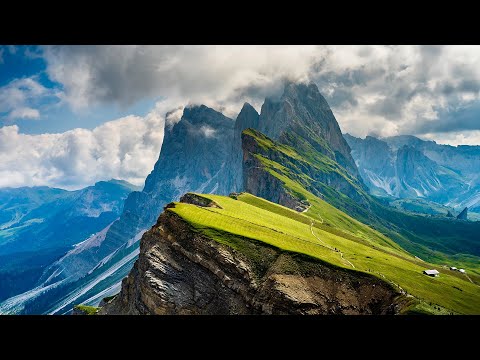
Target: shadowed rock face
[232,176]
[463,215]
[180,271]
[193,153]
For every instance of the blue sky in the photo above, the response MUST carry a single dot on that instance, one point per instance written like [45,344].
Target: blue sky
[54,116]
[73,115]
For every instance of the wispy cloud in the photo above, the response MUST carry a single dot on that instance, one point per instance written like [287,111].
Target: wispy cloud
[24,113]
[429,91]
[18,98]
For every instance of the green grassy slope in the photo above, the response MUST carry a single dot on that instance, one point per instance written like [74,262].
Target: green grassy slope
[301,169]
[336,239]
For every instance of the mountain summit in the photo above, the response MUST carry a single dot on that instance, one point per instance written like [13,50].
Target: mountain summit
[304,112]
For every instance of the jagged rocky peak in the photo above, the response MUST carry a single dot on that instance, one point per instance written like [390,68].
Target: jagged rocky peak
[405,166]
[201,114]
[368,153]
[193,152]
[247,118]
[303,111]
[306,93]
[398,141]
[232,177]
[463,215]
[411,163]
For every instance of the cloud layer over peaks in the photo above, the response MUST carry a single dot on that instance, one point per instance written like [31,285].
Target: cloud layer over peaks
[388,90]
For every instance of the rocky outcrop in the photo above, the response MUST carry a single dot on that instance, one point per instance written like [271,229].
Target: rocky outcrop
[463,215]
[195,199]
[182,271]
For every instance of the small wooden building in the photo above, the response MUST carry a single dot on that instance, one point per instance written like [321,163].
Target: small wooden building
[432,273]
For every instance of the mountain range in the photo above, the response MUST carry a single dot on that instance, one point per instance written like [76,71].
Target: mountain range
[300,214]
[406,167]
[40,224]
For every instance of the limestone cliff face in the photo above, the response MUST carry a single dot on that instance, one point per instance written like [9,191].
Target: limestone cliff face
[180,271]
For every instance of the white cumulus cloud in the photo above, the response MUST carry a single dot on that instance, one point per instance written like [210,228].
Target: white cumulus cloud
[125,148]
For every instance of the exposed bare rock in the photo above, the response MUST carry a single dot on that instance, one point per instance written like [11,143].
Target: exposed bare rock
[195,199]
[463,215]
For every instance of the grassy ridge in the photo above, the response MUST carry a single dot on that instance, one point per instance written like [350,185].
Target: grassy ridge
[298,164]
[251,219]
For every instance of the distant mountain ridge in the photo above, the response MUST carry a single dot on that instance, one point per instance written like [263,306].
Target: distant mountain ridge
[408,167]
[40,224]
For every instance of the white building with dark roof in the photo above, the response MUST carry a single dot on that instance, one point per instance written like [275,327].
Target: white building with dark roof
[431,272]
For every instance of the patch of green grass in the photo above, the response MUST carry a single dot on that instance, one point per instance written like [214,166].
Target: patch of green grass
[423,308]
[89,310]
[250,222]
